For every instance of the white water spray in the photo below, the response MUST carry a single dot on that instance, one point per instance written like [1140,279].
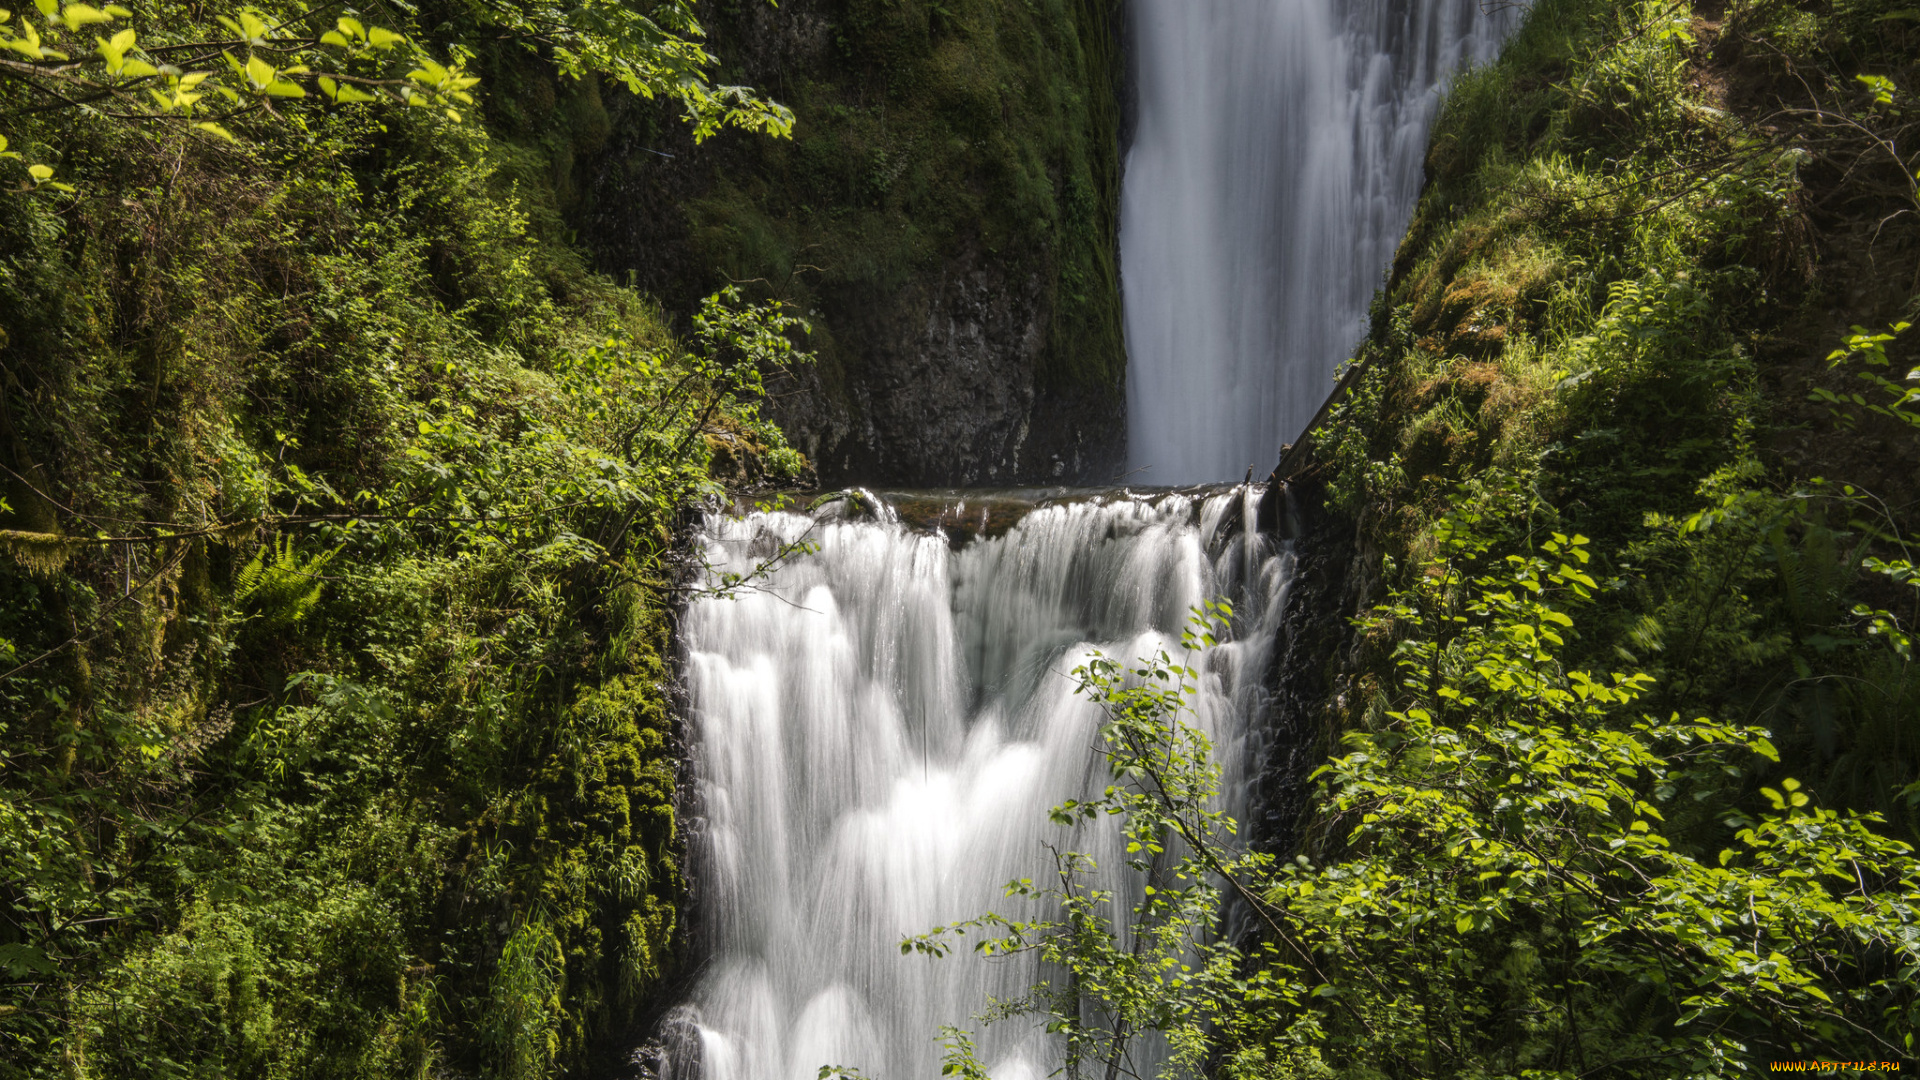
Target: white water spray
[1275,160]
[879,735]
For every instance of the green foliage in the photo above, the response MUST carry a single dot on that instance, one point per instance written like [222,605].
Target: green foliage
[340,507]
[528,723]
[1897,403]
[1525,876]
[167,79]
[655,52]
[279,585]
[1640,223]
[519,1031]
[210,75]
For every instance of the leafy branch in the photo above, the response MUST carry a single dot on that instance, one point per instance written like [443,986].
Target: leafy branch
[209,78]
[185,76]
[1507,806]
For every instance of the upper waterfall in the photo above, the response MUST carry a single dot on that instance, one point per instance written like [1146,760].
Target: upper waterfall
[1275,160]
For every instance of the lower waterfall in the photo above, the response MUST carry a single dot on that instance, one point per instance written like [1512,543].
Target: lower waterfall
[878,732]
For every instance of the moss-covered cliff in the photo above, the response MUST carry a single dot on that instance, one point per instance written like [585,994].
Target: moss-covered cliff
[1644,231]
[945,214]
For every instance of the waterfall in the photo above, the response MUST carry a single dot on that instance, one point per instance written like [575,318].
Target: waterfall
[879,727]
[879,730]
[1275,159]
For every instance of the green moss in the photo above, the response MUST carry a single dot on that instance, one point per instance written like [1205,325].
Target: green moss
[926,132]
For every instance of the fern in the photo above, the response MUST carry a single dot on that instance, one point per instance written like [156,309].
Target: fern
[277,585]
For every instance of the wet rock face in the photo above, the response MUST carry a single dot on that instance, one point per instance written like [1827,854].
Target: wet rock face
[1327,589]
[943,216]
[946,393]
[949,400]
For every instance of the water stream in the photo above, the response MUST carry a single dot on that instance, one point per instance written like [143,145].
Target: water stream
[881,731]
[880,727]
[1275,160]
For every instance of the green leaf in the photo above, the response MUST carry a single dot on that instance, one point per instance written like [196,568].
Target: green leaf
[215,129]
[27,44]
[79,15]
[259,71]
[381,38]
[1882,89]
[40,173]
[20,961]
[428,73]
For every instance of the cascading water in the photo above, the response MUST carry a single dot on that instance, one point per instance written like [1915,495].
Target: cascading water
[880,727]
[879,733]
[1275,160]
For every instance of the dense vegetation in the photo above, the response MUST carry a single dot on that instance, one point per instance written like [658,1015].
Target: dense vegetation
[1656,283]
[338,545]
[1622,776]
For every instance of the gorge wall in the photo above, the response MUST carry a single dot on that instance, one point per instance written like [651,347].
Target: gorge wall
[944,215]
[1616,313]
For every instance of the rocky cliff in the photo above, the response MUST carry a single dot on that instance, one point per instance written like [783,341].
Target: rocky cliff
[944,215]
